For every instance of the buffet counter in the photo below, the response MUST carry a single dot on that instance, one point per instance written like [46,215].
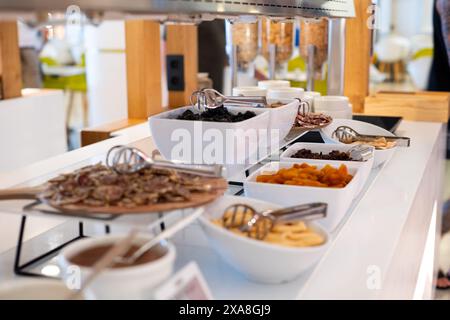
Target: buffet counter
[384,247]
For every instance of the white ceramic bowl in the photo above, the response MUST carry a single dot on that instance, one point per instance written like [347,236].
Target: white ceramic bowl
[282,118]
[285,93]
[332,103]
[249,91]
[257,260]
[34,289]
[309,97]
[364,167]
[337,107]
[381,156]
[270,84]
[135,282]
[313,94]
[338,199]
[193,141]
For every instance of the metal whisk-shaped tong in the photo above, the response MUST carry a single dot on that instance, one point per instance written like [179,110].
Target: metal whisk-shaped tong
[348,135]
[258,224]
[211,99]
[125,160]
[361,152]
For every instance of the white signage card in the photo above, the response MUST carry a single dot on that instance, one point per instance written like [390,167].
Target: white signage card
[186,284]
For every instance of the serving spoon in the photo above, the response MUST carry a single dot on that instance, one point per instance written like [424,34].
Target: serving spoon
[167,233]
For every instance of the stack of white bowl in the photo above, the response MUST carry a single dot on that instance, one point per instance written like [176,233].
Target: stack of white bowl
[310,96]
[271,84]
[249,91]
[337,107]
[285,93]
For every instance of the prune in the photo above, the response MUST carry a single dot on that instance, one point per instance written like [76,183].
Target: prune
[220,114]
[333,155]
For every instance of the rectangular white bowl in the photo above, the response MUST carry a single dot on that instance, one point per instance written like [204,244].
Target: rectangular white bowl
[338,199]
[168,133]
[364,167]
[283,118]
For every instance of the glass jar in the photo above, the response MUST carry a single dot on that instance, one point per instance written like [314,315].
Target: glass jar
[245,38]
[280,34]
[314,32]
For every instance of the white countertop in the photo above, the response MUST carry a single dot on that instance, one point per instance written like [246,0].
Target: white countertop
[387,232]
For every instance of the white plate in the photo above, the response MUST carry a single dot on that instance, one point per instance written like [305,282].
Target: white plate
[338,199]
[258,260]
[364,167]
[381,156]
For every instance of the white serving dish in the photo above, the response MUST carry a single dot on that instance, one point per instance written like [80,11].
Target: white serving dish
[197,138]
[34,289]
[135,282]
[364,167]
[257,260]
[381,156]
[338,199]
[282,118]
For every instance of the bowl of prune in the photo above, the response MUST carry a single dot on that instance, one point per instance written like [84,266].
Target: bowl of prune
[225,135]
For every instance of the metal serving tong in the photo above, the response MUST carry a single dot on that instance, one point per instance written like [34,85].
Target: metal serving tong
[261,223]
[211,99]
[348,135]
[361,152]
[125,160]
[304,107]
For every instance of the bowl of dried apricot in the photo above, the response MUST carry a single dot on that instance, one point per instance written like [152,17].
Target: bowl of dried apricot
[289,184]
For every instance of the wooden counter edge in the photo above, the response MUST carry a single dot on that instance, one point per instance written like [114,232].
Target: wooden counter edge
[103,132]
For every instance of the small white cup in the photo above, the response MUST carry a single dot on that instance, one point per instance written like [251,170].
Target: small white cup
[310,96]
[313,94]
[133,282]
[285,93]
[337,107]
[270,84]
[249,91]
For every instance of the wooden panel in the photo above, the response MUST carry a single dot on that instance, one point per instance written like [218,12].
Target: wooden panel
[358,39]
[10,68]
[103,132]
[143,57]
[182,40]
[415,106]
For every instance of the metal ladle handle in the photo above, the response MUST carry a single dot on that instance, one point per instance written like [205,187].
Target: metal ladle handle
[346,134]
[135,160]
[310,211]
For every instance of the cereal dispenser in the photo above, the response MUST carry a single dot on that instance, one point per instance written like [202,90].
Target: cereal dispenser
[265,27]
